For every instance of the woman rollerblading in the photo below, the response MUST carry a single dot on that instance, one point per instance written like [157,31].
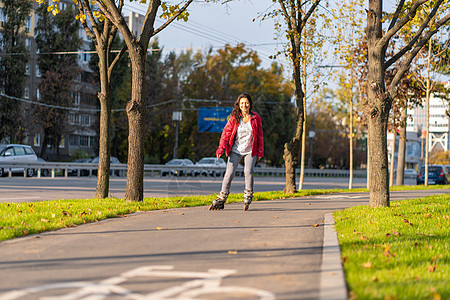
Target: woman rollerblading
[242,138]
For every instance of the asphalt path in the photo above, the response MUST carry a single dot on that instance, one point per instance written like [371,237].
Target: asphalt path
[19,189]
[272,251]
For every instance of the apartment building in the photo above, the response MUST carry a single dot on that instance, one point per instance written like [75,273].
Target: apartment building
[82,114]
[439,123]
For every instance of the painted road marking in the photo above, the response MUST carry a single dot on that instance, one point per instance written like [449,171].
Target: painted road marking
[343,196]
[201,283]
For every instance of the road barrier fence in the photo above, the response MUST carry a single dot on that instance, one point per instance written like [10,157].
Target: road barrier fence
[66,169]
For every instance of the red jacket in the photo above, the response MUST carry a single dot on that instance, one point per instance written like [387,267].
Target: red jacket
[229,133]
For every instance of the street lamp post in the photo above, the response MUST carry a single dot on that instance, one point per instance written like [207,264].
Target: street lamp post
[177,116]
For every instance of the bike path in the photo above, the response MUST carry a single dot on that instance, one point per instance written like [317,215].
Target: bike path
[272,251]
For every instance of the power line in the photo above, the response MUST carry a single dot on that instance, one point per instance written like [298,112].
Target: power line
[92,110]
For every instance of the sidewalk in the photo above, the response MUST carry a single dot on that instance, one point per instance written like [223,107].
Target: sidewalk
[279,249]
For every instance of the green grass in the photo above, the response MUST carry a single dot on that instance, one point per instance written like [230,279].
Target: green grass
[21,219]
[397,252]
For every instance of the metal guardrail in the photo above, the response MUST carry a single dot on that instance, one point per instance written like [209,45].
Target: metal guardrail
[66,168]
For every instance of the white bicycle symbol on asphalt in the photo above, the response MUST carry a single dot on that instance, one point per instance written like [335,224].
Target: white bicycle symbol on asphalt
[202,283]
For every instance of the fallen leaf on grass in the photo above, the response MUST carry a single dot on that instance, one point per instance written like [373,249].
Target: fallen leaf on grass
[407,222]
[44,220]
[66,213]
[425,234]
[25,232]
[432,268]
[437,296]
[367,265]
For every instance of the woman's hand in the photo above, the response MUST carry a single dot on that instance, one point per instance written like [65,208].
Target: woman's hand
[259,158]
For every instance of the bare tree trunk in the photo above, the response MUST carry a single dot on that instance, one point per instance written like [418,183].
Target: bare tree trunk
[136,120]
[377,110]
[427,100]
[293,147]
[368,163]
[302,163]
[401,147]
[391,168]
[104,144]
[350,182]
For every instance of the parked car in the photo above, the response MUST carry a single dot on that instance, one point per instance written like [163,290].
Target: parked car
[410,173]
[176,162]
[44,172]
[113,160]
[204,165]
[437,174]
[83,172]
[16,153]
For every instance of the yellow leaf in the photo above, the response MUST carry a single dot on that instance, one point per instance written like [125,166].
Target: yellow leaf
[232,252]
[44,220]
[159,228]
[50,8]
[367,265]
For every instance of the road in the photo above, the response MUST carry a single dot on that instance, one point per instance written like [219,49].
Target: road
[19,189]
[272,251]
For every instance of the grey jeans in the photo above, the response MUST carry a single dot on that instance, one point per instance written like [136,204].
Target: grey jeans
[232,164]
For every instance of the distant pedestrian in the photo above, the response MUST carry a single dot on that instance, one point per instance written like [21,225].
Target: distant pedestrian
[242,137]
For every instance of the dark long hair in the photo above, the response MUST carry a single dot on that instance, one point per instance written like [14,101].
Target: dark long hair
[236,112]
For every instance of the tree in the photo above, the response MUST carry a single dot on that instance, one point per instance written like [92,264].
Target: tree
[12,68]
[54,36]
[111,11]
[348,40]
[295,15]
[136,107]
[380,96]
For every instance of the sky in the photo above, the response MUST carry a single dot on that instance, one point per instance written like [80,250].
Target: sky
[215,24]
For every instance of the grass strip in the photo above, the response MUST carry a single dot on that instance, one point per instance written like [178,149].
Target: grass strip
[22,219]
[397,252]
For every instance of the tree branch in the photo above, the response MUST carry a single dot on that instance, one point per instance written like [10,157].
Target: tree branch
[285,13]
[172,18]
[410,15]
[112,12]
[149,21]
[309,13]
[405,65]
[116,60]
[85,8]
[408,47]
[396,14]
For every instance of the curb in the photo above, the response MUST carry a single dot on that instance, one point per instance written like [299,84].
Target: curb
[332,279]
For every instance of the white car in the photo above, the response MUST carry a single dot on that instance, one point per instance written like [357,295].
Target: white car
[205,165]
[16,153]
[410,173]
[174,163]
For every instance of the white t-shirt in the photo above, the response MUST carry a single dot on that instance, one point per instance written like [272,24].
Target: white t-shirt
[243,140]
